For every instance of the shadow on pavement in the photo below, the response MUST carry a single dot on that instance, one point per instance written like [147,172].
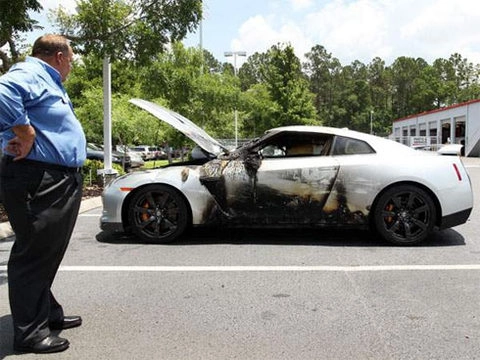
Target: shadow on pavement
[287,237]
[3,277]
[6,336]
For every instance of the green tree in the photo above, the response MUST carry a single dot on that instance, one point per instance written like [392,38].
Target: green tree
[259,111]
[207,98]
[445,82]
[323,71]
[473,91]
[215,99]
[466,78]
[210,64]
[425,92]
[87,74]
[171,76]
[405,72]
[355,97]
[129,124]
[137,29]
[90,114]
[288,87]
[130,33]
[251,72]
[15,19]
[380,85]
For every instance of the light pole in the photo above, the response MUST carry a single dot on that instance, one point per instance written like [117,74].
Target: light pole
[371,122]
[235,54]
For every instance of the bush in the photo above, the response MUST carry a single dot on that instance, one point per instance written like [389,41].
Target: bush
[90,172]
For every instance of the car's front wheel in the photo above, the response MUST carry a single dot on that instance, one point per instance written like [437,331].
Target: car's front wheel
[404,215]
[158,214]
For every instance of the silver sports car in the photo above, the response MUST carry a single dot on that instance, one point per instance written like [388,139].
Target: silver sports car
[296,176]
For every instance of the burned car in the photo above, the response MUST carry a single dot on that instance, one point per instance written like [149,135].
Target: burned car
[295,176]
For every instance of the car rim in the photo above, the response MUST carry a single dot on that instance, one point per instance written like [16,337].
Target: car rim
[406,216]
[156,214]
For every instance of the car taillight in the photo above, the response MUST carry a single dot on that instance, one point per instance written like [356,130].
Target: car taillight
[459,176]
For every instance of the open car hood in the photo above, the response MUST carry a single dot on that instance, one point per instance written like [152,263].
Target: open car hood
[182,124]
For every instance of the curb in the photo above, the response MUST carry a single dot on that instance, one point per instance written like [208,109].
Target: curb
[86,205]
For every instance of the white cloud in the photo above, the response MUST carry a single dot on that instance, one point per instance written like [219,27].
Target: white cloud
[258,35]
[43,17]
[442,28]
[363,29]
[298,5]
[255,33]
[350,31]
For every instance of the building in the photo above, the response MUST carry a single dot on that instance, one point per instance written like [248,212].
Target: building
[456,124]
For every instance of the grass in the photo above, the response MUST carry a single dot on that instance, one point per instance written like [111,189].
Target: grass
[156,163]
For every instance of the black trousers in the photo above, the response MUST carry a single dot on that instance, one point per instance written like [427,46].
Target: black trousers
[42,203]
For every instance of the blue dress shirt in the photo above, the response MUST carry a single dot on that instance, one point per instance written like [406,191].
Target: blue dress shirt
[31,93]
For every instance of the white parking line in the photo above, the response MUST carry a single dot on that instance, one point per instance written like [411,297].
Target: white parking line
[362,268]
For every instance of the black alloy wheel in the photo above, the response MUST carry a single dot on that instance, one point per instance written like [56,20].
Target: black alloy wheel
[158,214]
[404,215]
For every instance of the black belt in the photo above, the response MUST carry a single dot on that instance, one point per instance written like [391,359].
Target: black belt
[42,164]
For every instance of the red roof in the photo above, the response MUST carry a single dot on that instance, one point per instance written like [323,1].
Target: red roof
[438,110]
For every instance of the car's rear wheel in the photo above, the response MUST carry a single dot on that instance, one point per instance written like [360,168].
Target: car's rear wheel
[404,215]
[158,214]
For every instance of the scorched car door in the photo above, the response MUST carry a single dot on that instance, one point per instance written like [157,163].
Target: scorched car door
[231,183]
[293,190]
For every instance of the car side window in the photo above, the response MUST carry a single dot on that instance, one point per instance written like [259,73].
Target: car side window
[272,151]
[348,146]
[297,144]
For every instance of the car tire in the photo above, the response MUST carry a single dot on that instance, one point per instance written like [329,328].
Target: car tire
[404,215]
[158,214]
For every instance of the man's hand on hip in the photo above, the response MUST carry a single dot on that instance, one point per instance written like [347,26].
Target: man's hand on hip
[22,143]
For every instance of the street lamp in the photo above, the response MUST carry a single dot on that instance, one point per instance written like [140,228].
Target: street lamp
[235,54]
[371,122]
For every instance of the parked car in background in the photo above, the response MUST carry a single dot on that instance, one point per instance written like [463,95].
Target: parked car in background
[95,152]
[136,159]
[158,153]
[421,147]
[137,153]
[452,149]
[148,152]
[295,176]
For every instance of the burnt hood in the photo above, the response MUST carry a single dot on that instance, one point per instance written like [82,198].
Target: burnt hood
[182,124]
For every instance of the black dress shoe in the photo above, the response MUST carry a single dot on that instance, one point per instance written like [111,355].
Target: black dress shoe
[50,344]
[67,323]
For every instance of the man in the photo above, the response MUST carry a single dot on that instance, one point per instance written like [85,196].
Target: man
[41,186]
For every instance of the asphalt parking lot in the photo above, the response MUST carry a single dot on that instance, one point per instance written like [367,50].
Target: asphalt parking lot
[267,295]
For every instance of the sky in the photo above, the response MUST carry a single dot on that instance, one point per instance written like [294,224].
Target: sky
[348,29]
